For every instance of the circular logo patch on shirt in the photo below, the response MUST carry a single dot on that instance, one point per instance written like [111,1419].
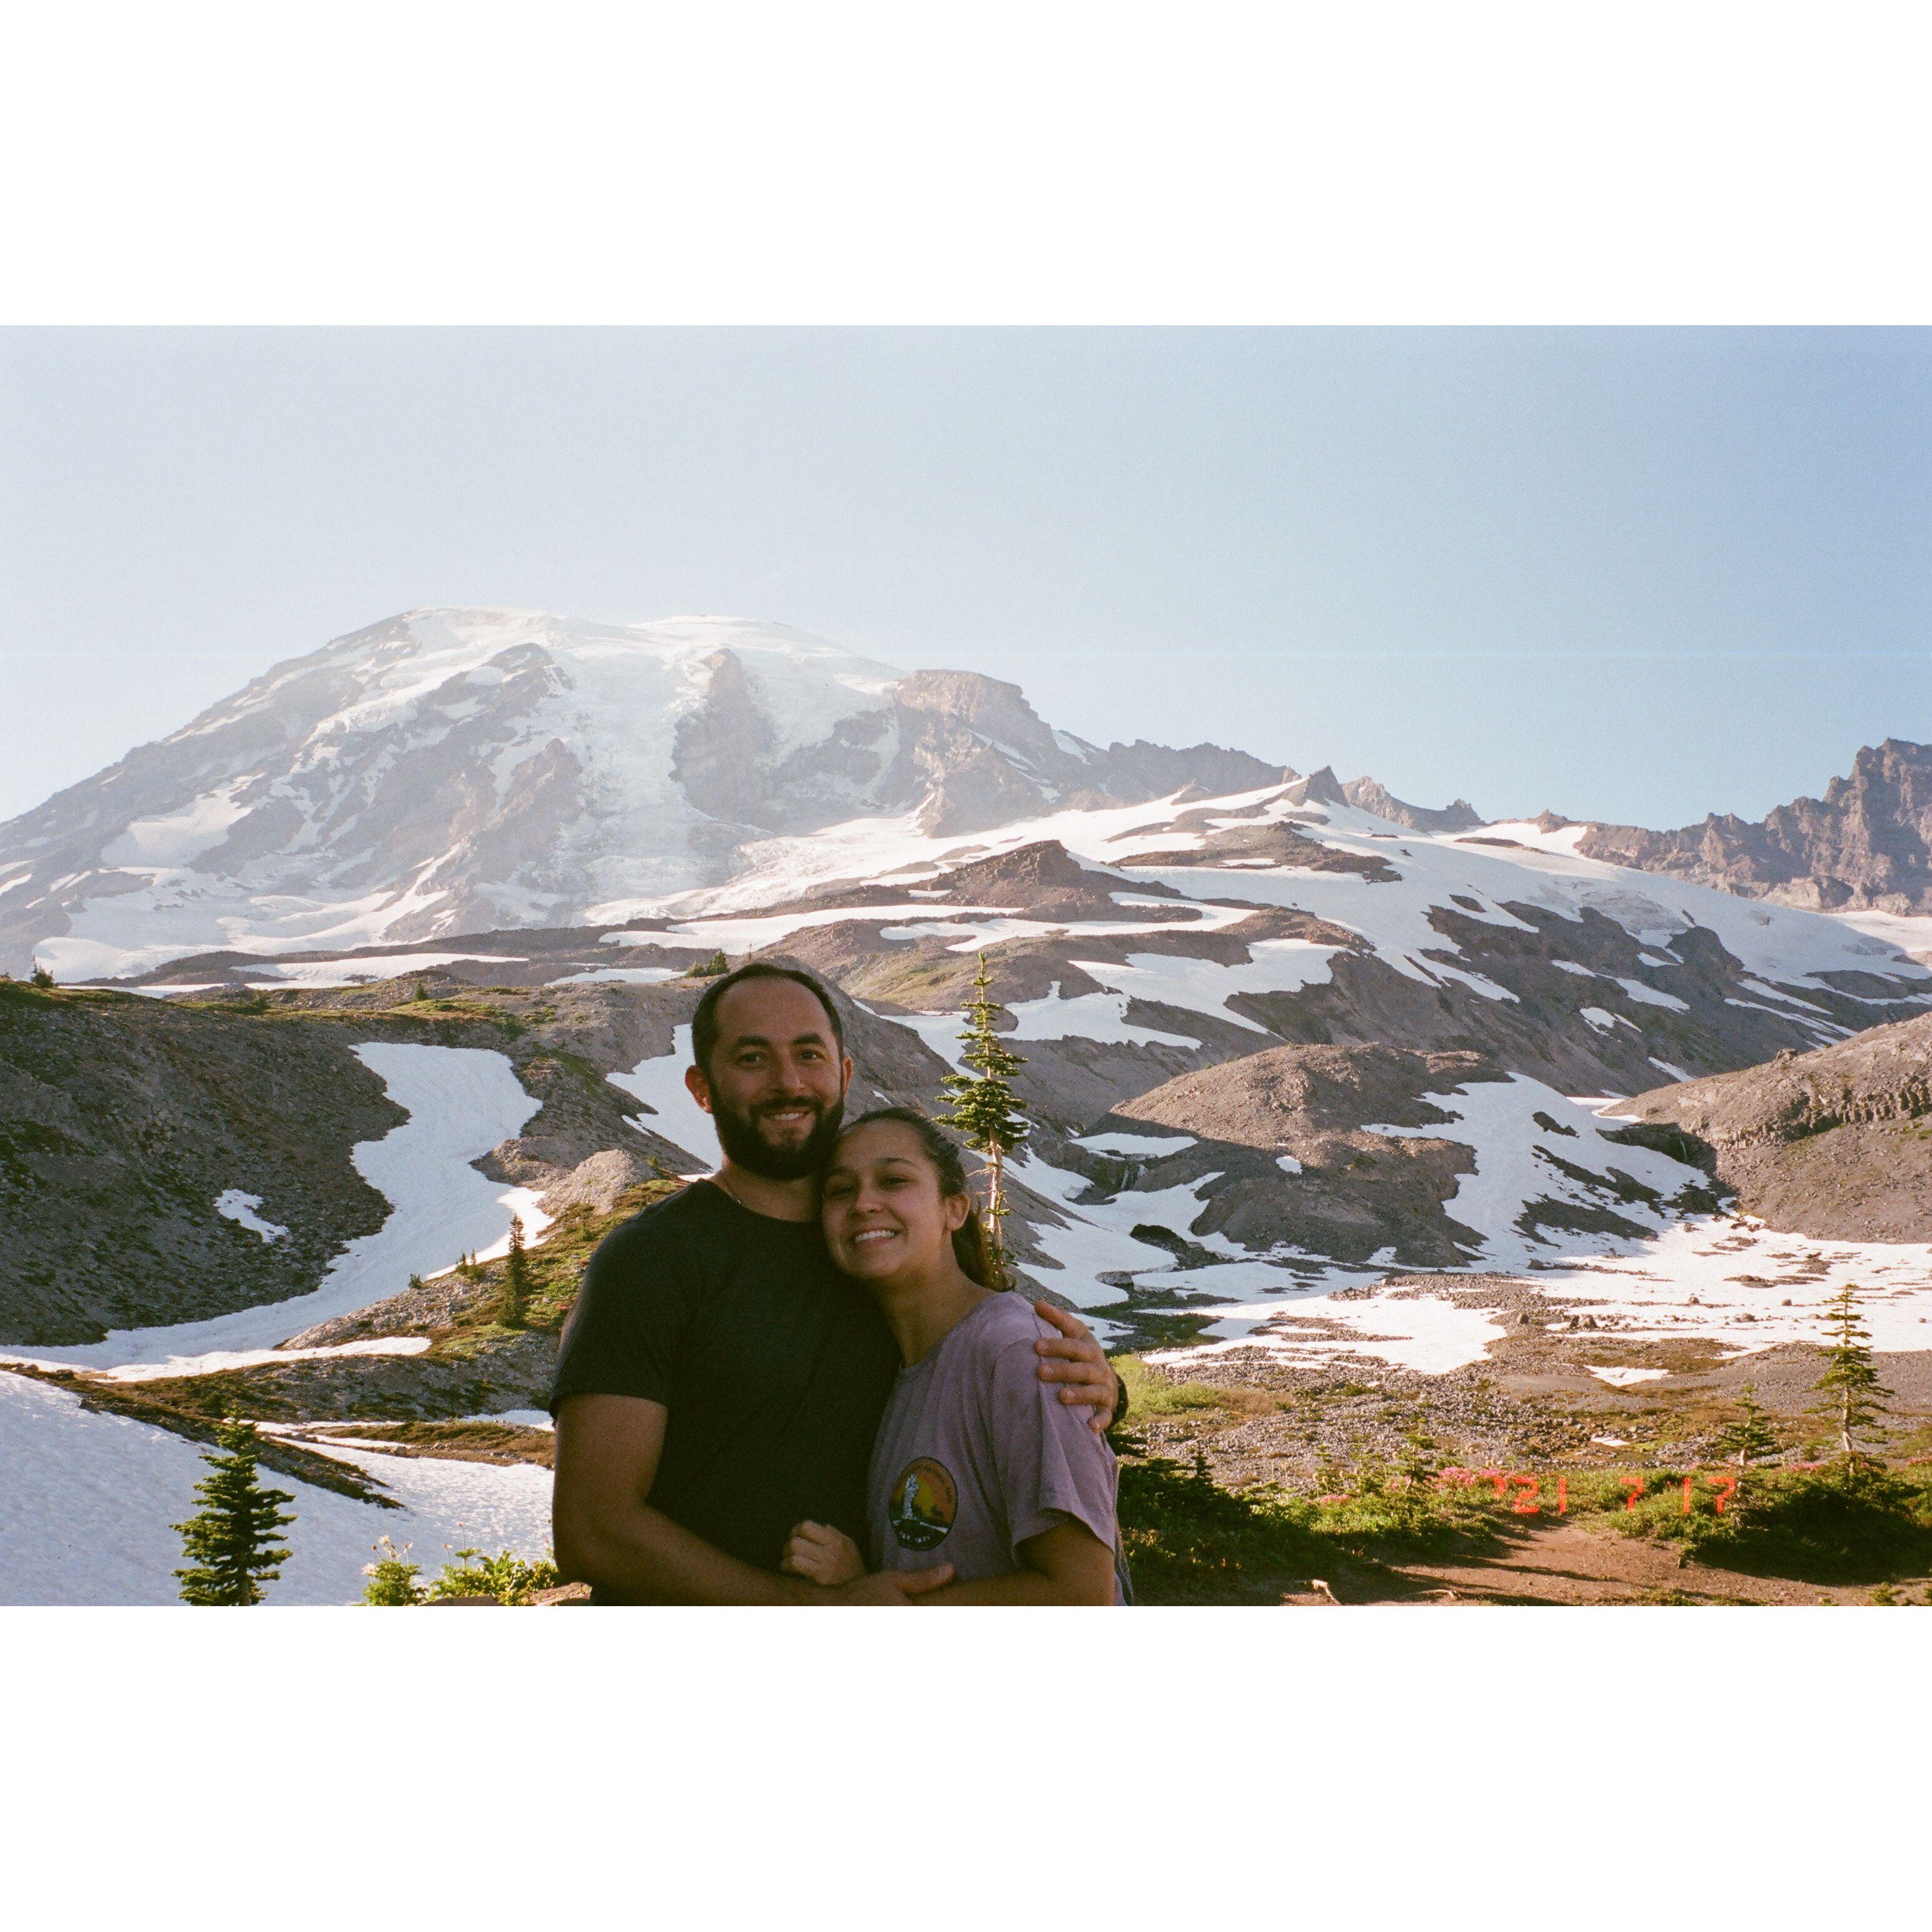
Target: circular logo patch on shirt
[925,1502]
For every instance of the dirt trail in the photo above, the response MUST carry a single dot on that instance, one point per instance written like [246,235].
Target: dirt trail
[1565,1563]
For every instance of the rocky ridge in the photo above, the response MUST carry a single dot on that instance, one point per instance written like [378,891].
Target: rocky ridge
[1866,844]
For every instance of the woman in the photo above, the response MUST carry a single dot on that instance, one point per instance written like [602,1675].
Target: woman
[975,1464]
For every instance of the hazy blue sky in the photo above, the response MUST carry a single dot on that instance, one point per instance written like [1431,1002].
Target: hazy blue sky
[1632,574]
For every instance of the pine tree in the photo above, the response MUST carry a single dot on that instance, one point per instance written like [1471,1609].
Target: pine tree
[1854,1398]
[516,1278]
[1750,1435]
[984,1109]
[227,1541]
[41,976]
[422,991]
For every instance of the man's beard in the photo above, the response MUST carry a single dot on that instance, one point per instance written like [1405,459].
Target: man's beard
[745,1146]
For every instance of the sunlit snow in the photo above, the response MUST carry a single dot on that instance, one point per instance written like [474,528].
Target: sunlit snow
[89,1500]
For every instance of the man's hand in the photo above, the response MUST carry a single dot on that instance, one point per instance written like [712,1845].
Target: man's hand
[822,1555]
[897,1586]
[1077,1360]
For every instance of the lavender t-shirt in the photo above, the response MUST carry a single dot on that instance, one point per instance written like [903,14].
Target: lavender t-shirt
[975,1453]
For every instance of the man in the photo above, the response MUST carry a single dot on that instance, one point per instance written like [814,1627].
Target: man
[720,1381]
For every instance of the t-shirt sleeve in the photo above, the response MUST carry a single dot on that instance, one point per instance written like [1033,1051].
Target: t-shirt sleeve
[623,1335]
[1049,1464]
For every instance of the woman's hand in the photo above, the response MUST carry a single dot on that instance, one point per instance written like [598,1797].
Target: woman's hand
[822,1555]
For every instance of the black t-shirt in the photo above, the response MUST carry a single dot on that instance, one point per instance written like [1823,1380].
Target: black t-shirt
[774,1367]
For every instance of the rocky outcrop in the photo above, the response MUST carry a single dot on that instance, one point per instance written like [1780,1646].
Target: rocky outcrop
[1836,1143]
[1366,795]
[1866,844]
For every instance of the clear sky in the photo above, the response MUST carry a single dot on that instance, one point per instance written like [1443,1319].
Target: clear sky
[1629,575]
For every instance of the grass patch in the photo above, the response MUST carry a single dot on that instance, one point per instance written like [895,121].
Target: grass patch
[1188,1541]
[1848,1522]
[1151,1393]
[464,1442]
[555,1269]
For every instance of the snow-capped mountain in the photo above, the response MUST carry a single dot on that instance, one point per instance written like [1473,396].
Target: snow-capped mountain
[451,770]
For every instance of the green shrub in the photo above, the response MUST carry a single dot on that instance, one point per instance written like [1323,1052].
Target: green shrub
[392,1580]
[506,1576]
[1851,1521]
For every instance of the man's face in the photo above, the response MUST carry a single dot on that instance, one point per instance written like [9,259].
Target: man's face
[775,1085]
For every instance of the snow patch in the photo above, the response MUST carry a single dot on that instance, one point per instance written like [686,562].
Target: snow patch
[240,1208]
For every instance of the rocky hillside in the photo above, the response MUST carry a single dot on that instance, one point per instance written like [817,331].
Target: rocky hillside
[1835,1144]
[1866,844]
[144,1145]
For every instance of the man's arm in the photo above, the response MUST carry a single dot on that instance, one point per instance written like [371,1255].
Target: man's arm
[608,1535]
[1080,1363]
[1067,1563]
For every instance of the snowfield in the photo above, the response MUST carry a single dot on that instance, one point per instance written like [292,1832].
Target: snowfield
[89,1501]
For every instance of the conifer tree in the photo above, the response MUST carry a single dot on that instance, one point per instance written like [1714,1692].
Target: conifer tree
[516,1278]
[984,1109]
[1854,1398]
[228,1540]
[41,976]
[1750,1435]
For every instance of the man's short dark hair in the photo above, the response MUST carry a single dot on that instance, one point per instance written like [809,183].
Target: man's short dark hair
[704,1022]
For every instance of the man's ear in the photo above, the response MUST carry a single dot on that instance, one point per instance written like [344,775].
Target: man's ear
[845,1076]
[699,1088]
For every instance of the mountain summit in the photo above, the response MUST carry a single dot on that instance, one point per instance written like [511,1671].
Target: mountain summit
[453,770]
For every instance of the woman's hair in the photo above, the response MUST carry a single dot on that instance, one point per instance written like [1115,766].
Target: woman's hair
[972,1247]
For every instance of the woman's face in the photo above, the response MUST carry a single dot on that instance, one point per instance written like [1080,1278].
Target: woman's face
[883,1212]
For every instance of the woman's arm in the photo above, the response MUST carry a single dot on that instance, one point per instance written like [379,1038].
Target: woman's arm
[1067,1563]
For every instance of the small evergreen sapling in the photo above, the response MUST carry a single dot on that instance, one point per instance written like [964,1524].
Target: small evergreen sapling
[229,1540]
[41,976]
[984,1109]
[1420,1464]
[1750,1434]
[516,1278]
[1854,1398]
